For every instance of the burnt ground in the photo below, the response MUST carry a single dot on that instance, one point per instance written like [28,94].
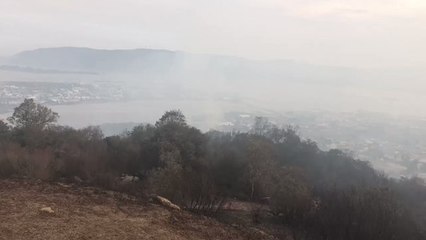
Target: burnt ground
[91,213]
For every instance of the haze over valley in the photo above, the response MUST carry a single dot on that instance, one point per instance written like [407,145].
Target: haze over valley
[119,88]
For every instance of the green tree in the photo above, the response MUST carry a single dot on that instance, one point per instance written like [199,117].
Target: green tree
[32,115]
[174,117]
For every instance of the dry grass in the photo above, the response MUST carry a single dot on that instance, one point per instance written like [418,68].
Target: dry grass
[90,213]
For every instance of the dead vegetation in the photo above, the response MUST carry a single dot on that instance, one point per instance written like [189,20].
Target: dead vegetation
[91,213]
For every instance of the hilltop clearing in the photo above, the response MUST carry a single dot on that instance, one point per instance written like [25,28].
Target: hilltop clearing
[91,213]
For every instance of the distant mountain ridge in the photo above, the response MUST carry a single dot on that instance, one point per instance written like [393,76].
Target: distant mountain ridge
[93,60]
[167,63]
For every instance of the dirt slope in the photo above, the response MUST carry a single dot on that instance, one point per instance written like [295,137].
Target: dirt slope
[89,213]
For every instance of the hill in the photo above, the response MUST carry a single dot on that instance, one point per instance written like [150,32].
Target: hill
[268,180]
[177,63]
[91,213]
[86,59]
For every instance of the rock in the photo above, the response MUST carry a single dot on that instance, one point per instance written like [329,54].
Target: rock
[129,179]
[64,185]
[77,179]
[48,210]
[166,202]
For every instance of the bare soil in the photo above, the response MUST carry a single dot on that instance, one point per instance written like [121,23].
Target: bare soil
[91,213]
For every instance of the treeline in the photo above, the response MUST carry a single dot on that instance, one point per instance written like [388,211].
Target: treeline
[317,194]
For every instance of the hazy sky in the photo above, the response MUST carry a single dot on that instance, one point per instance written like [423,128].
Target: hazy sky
[338,32]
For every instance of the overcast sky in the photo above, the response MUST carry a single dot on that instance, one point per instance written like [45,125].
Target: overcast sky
[367,33]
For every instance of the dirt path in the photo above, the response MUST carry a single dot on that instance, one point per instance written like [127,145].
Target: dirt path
[89,213]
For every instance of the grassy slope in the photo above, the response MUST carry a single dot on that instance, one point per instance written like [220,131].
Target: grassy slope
[90,213]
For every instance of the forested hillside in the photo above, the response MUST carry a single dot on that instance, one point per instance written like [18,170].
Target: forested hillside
[315,194]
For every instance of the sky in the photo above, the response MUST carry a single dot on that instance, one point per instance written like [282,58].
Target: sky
[356,33]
